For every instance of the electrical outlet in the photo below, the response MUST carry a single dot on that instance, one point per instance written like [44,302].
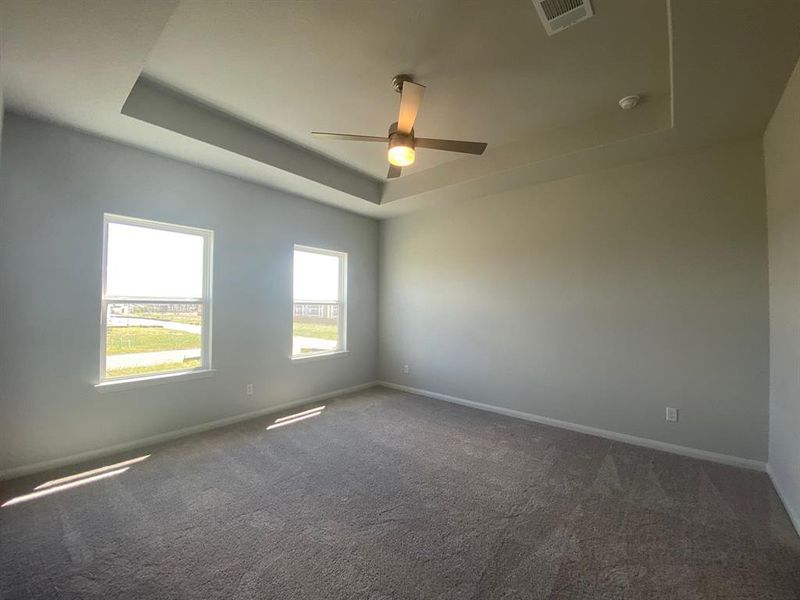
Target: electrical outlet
[405,369]
[672,414]
[249,389]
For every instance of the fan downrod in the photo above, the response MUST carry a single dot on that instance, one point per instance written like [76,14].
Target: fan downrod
[399,80]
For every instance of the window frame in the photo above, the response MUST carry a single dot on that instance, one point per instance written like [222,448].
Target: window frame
[204,300]
[341,345]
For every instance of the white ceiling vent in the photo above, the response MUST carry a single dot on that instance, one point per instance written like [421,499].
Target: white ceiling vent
[557,15]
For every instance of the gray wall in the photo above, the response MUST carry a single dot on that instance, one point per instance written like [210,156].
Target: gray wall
[2,99]
[55,186]
[599,300]
[782,159]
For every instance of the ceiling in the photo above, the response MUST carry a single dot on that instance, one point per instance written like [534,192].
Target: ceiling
[492,74]
[237,86]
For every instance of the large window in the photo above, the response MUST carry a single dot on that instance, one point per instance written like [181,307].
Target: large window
[320,310]
[156,305]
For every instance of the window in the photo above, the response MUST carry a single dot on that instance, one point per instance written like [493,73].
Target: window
[320,311]
[156,304]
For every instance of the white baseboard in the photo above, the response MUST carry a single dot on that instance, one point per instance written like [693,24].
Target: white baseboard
[726,459]
[794,516]
[171,435]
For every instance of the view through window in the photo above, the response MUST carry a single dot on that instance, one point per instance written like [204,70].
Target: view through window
[320,312]
[156,304]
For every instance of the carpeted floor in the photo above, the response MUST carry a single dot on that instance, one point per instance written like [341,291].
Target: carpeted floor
[388,495]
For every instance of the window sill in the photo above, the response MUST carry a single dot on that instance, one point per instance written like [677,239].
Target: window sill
[301,358]
[115,385]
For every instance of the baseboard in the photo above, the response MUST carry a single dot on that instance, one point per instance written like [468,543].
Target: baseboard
[726,459]
[171,435]
[794,517]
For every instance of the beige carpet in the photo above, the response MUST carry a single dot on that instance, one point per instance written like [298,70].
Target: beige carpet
[388,495]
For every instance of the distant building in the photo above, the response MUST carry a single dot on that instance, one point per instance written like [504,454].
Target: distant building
[316,310]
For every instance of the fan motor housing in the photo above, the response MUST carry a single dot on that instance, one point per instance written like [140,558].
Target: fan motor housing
[399,139]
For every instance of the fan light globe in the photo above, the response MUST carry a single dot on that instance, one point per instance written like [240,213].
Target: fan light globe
[401,156]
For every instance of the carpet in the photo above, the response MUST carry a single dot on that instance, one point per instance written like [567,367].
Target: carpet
[389,495]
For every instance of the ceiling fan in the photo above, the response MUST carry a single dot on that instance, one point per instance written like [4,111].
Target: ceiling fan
[401,139]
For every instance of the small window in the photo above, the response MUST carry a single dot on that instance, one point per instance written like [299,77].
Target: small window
[320,310]
[156,304]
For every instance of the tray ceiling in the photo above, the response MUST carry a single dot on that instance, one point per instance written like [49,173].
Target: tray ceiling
[237,86]
[491,71]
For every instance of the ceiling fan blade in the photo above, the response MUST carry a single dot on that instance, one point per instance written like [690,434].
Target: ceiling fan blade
[410,99]
[451,145]
[349,137]
[394,172]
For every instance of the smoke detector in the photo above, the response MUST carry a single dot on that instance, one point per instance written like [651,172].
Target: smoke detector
[557,15]
[629,102]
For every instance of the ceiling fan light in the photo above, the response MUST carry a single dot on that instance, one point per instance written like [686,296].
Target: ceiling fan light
[401,156]
[401,149]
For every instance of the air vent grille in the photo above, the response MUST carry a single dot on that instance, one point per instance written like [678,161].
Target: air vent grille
[556,8]
[557,15]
